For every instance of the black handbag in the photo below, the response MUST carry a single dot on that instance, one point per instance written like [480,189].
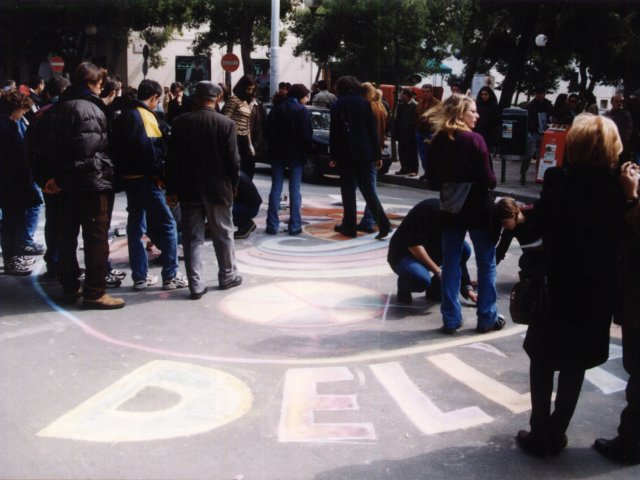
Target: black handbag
[529,300]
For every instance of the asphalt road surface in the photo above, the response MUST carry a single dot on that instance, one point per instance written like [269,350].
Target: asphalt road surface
[308,370]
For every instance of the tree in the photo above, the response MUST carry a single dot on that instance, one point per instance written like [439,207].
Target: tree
[231,22]
[30,30]
[380,40]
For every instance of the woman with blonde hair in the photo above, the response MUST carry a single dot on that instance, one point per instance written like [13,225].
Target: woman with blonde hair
[374,97]
[580,213]
[458,164]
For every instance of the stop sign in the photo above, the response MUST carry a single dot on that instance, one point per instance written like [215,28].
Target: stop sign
[57,64]
[230,62]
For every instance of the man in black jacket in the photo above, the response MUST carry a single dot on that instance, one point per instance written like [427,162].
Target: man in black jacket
[70,158]
[355,148]
[138,148]
[405,134]
[202,175]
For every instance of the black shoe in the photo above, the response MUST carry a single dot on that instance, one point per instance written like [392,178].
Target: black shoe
[383,233]
[402,172]
[615,450]
[404,298]
[198,295]
[242,234]
[531,444]
[293,233]
[233,283]
[271,231]
[557,446]
[499,325]
[71,298]
[449,330]
[342,231]
[35,249]
[365,229]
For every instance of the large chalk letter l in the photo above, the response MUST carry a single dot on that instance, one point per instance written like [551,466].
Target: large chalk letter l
[419,408]
[208,398]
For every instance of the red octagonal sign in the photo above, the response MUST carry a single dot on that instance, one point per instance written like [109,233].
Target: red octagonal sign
[57,64]
[230,62]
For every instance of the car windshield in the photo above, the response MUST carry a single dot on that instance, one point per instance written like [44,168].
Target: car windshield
[320,120]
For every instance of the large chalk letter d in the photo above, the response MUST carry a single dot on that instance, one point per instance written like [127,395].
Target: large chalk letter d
[206,399]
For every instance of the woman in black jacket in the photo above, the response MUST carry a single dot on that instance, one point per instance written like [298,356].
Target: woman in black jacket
[488,124]
[580,213]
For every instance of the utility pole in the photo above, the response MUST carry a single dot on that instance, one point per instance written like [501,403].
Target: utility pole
[275,46]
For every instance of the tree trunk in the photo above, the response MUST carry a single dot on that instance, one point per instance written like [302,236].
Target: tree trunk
[227,75]
[396,63]
[518,61]
[631,83]
[583,78]
[469,71]
[246,45]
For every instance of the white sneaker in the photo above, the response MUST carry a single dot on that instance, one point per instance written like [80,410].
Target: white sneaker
[142,284]
[24,260]
[179,281]
[118,274]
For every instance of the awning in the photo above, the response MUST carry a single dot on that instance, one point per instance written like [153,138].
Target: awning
[433,66]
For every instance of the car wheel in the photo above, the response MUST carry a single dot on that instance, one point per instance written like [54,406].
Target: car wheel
[312,172]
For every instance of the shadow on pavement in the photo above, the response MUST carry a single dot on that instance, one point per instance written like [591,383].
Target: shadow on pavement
[500,459]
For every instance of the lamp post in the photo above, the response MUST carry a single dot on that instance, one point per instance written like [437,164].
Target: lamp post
[275,47]
[312,5]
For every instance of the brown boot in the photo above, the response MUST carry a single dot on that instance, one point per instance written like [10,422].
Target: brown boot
[105,302]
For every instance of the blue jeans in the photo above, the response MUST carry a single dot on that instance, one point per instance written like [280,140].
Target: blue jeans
[295,199]
[32,215]
[413,276]
[422,150]
[146,202]
[485,250]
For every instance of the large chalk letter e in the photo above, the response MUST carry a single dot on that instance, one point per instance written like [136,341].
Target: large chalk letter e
[208,398]
[301,400]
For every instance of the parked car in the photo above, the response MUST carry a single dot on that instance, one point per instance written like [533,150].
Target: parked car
[317,164]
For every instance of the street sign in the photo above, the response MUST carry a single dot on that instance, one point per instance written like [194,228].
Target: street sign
[57,64]
[230,62]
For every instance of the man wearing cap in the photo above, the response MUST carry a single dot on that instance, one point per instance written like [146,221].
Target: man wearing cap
[202,174]
[139,152]
[539,112]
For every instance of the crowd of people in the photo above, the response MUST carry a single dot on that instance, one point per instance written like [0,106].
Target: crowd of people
[72,145]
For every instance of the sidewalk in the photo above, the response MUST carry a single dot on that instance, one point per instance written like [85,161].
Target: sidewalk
[510,188]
